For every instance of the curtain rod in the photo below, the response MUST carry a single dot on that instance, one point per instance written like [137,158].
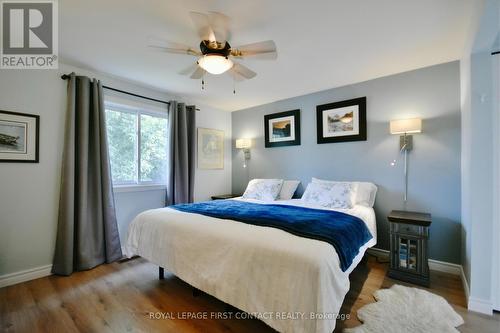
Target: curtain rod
[496,52]
[66,76]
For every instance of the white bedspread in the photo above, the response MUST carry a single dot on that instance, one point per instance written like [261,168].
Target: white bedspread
[264,271]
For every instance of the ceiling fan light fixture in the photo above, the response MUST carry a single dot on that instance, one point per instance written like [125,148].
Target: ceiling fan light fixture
[215,64]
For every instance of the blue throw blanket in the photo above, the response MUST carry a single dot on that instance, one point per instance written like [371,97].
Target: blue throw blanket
[346,233]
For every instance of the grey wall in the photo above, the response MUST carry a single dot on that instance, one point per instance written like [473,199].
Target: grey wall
[129,204]
[431,93]
[29,193]
[210,182]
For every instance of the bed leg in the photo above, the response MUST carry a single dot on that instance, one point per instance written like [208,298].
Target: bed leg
[161,273]
[196,292]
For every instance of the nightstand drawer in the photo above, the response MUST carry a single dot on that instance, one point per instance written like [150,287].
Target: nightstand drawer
[409,229]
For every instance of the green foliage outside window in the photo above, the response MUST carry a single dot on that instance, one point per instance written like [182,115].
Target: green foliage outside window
[123,142]
[153,149]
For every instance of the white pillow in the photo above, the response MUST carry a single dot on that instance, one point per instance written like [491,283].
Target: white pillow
[263,189]
[363,193]
[329,194]
[288,189]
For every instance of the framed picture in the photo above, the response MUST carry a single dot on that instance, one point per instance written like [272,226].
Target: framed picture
[210,148]
[282,129]
[342,121]
[19,133]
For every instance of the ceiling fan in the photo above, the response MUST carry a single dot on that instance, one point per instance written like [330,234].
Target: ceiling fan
[216,54]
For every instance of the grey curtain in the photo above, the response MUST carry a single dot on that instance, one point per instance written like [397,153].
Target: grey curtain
[87,232]
[182,148]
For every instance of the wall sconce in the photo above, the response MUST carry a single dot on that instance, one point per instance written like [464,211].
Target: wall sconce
[405,127]
[244,144]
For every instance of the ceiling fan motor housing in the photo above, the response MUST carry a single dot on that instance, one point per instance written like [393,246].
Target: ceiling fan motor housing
[223,51]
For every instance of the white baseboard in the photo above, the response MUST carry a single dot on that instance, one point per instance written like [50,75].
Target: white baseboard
[465,284]
[480,305]
[26,275]
[446,267]
[435,265]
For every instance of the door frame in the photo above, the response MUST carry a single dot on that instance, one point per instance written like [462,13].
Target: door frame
[495,281]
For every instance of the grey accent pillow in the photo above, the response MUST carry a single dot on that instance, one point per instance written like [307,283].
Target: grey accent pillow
[288,189]
[263,189]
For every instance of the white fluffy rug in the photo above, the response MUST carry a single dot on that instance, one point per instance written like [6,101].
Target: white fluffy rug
[403,309]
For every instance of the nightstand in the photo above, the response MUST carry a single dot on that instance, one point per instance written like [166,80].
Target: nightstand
[225,196]
[409,233]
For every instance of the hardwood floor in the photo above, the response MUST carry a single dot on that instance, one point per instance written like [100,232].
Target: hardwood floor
[121,297]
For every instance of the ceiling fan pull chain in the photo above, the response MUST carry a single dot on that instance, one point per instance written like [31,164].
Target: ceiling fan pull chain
[234,86]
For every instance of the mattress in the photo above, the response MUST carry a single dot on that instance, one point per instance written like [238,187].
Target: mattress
[292,283]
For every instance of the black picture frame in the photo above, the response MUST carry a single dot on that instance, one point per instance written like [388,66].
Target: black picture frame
[296,125]
[37,138]
[361,136]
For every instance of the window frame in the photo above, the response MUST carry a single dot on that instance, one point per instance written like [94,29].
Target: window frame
[137,109]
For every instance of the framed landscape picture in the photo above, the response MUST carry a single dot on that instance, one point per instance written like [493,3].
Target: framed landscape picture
[282,129]
[341,121]
[210,148]
[19,133]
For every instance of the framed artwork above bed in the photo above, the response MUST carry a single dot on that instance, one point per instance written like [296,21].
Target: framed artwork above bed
[282,129]
[19,133]
[341,121]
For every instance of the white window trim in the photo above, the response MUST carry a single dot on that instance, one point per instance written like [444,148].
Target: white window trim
[133,104]
[138,188]
[122,105]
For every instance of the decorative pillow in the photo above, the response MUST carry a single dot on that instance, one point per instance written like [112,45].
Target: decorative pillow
[263,189]
[288,189]
[329,194]
[363,193]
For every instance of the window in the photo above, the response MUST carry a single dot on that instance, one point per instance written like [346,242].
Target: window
[138,146]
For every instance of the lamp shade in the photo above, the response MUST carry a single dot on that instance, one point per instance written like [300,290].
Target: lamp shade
[403,126]
[243,143]
[215,64]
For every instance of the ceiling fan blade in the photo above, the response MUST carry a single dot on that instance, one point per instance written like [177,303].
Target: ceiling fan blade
[198,73]
[203,26]
[243,71]
[220,26]
[236,76]
[262,50]
[189,70]
[172,47]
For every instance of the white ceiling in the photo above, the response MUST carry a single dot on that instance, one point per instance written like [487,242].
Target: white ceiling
[321,44]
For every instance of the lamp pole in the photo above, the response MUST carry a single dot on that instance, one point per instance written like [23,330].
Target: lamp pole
[406,172]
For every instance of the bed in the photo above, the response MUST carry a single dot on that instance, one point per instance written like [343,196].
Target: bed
[293,284]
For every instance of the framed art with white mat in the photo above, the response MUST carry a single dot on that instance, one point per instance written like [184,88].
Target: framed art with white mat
[210,148]
[341,121]
[282,129]
[19,134]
